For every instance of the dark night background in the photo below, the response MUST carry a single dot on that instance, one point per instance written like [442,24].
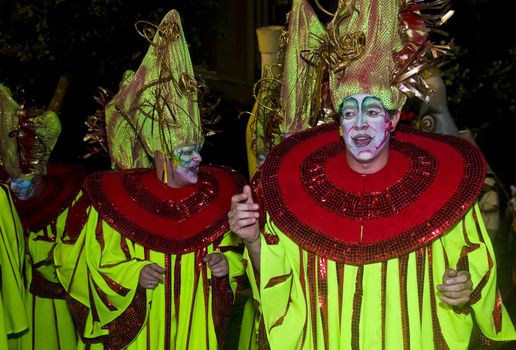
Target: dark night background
[91,43]
[86,44]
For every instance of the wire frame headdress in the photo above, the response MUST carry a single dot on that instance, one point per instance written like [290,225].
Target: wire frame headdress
[379,48]
[155,109]
[27,137]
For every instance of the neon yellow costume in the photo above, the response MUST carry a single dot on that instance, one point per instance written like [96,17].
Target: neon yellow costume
[13,323]
[350,259]
[336,276]
[135,219]
[185,312]
[27,140]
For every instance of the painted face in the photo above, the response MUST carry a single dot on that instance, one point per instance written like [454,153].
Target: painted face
[186,163]
[365,126]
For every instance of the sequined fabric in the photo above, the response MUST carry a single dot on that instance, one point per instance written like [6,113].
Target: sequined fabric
[435,178]
[168,220]
[123,329]
[63,183]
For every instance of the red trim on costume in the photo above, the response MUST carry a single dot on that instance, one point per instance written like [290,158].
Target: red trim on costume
[63,183]
[172,221]
[314,197]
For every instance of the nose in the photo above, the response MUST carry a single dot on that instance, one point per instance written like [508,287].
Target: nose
[360,121]
[196,156]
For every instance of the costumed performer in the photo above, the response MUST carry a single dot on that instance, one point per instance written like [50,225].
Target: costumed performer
[374,239]
[43,194]
[155,266]
[14,323]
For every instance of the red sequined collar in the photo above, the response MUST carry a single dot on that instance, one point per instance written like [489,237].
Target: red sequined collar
[173,221]
[63,183]
[314,197]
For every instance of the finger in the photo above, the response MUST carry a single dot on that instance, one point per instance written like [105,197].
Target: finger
[459,287]
[157,268]
[150,285]
[153,275]
[246,214]
[454,302]
[249,194]
[245,223]
[449,273]
[456,295]
[213,258]
[244,207]
[460,277]
[238,198]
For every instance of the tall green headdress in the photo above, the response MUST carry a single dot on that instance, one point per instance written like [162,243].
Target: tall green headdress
[379,48]
[27,137]
[155,109]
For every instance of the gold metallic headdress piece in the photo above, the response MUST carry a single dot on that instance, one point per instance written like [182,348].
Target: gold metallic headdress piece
[155,109]
[27,137]
[379,48]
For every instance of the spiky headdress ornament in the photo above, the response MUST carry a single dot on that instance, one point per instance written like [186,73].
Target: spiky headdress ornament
[155,109]
[379,48]
[27,137]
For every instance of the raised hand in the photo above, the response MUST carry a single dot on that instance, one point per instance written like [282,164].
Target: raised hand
[243,216]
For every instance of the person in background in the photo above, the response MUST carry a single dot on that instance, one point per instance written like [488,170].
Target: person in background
[43,194]
[14,322]
[490,207]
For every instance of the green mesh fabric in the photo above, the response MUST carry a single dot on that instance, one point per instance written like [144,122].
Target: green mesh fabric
[371,72]
[37,149]
[156,107]
[301,80]
[8,123]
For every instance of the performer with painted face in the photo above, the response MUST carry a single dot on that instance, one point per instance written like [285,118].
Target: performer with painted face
[155,266]
[43,195]
[372,239]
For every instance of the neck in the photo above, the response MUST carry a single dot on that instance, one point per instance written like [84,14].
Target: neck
[371,166]
[164,170]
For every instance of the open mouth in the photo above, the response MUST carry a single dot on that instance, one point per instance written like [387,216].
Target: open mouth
[194,169]
[361,140]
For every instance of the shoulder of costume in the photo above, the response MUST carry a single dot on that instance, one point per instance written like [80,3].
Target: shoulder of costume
[63,183]
[140,207]
[311,195]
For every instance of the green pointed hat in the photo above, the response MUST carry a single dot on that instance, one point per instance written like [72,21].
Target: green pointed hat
[155,109]
[27,137]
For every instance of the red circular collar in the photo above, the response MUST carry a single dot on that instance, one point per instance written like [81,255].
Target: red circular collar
[314,197]
[174,221]
[62,184]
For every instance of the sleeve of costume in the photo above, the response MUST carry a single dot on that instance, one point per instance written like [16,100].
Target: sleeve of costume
[279,284]
[12,290]
[477,256]
[101,279]
[232,248]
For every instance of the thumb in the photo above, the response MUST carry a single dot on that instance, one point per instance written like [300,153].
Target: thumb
[249,194]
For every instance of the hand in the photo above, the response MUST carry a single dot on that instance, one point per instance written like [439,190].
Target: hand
[243,216]
[456,288]
[218,264]
[150,276]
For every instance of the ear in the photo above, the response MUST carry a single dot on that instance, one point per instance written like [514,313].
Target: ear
[395,118]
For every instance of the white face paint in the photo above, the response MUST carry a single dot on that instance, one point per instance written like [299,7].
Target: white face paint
[365,126]
[186,163]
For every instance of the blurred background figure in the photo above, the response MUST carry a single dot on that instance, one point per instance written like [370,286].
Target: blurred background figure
[511,218]
[490,207]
